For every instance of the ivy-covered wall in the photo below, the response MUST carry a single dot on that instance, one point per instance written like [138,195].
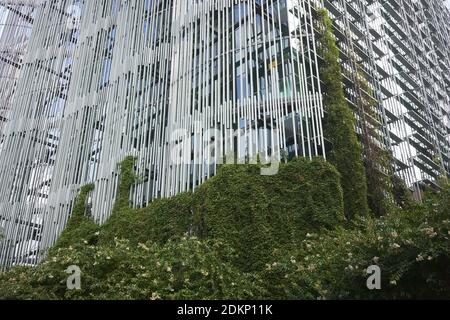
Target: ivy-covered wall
[245,236]
[242,235]
[79,227]
[378,161]
[339,124]
[239,206]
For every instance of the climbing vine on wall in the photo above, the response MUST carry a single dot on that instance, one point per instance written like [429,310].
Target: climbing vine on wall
[339,124]
[80,226]
[377,160]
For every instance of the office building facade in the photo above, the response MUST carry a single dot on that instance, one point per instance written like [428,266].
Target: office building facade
[183,85]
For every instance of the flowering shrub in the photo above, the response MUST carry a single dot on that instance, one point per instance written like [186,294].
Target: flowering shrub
[187,268]
[249,237]
[412,249]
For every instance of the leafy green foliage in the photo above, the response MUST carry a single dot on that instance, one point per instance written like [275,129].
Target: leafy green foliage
[230,220]
[80,226]
[412,248]
[377,161]
[240,207]
[401,194]
[242,235]
[185,268]
[208,248]
[339,123]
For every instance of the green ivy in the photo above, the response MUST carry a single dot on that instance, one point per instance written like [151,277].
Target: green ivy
[126,181]
[80,226]
[245,236]
[240,207]
[377,161]
[339,123]
[411,247]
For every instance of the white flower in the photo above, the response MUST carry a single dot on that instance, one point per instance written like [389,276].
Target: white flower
[204,273]
[155,296]
[169,269]
[419,258]
[376,259]
[395,245]
[393,282]
[430,232]
[143,246]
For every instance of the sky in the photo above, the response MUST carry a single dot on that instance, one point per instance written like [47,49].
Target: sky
[447,2]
